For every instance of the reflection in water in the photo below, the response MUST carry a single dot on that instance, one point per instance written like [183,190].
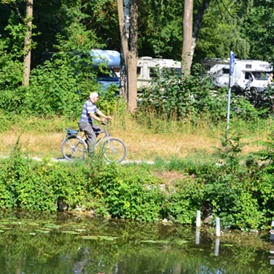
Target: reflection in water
[197,241]
[217,246]
[81,262]
[272,240]
[87,246]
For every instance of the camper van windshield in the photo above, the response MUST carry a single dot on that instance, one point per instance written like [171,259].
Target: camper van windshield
[106,74]
[259,75]
[171,71]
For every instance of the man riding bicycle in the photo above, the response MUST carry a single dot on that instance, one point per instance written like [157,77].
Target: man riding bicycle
[90,113]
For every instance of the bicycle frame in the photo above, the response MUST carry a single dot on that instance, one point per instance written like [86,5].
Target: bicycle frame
[100,139]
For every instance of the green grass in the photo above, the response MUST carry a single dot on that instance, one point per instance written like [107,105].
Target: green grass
[146,139]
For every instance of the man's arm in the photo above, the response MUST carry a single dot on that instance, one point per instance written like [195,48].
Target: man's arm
[95,117]
[103,115]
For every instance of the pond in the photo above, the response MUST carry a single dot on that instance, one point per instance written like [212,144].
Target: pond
[62,243]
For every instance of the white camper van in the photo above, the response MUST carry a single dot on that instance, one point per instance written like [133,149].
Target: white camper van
[148,66]
[247,74]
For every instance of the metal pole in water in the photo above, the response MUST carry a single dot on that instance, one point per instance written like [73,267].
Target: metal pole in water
[198,218]
[218,227]
[231,70]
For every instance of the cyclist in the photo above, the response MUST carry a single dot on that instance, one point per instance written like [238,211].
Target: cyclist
[90,113]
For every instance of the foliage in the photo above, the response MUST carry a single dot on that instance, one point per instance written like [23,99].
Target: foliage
[233,188]
[237,189]
[11,69]
[72,28]
[260,37]
[244,27]
[170,99]
[111,101]
[161,28]
[220,32]
[92,185]
[183,201]
[75,36]
[54,90]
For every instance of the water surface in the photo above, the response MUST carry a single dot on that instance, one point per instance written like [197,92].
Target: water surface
[62,243]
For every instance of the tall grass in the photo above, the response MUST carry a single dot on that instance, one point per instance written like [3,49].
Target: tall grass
[145,136]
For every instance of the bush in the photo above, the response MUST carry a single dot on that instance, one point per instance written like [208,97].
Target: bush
[239,191]
[194,97]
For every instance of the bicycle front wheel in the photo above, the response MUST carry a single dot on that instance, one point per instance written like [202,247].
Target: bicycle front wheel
[74,148]
[114,150]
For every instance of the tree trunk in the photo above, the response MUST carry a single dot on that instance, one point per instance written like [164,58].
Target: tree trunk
[187,51]
[197,25]
[132,56]
[132,82]
[124,41]
[27,42]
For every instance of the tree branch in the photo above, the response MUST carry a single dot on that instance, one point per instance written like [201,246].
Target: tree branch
[18,11]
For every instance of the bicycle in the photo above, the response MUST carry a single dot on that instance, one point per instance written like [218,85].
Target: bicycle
[74,146]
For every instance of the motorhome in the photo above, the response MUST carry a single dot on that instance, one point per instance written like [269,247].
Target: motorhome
[106,64]
[111,59]
[247,74]
[147,69]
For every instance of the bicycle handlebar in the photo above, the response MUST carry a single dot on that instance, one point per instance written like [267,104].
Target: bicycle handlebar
[105,123]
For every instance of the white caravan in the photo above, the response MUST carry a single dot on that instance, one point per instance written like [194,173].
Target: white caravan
[147,68]
[247,74]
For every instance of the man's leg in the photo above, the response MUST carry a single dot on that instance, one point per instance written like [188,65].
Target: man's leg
[96,129]
[91,141]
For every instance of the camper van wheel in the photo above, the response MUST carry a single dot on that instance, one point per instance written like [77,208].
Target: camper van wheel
[251,93]
[254,91]
[237,90]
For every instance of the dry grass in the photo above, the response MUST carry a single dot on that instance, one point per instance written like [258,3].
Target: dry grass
[142,144]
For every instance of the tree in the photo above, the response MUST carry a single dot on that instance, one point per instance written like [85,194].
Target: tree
[27,41]
[27,28]
[218,29]
[124,43]
[160,29]
[187,51]
[129,40]
[257,27]
[132,56]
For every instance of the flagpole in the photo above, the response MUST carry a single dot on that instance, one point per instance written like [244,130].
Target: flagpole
[231,70]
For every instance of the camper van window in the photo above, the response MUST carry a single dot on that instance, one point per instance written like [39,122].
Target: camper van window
[225,71]
[105,74]
[258,75]
[248,66]
[138,71]
[154,72]
[116,69]
[170,71]
[248,76]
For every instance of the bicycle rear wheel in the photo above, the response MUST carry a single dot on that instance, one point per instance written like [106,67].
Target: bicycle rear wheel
[114,150]
[74,148]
